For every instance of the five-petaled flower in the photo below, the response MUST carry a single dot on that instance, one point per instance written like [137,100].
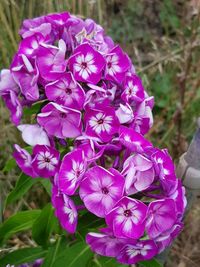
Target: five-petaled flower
[101,189]
[86,64]
[101,123]
[65,210]
[45,161]
[71,171]
[127,218]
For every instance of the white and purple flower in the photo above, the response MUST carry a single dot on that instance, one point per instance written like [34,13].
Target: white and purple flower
[86,64]
[127,218]
[66,91]
[161,216]
[101,189]
[71,171]
[65,210]
[138,251]
[45,161]
[101,123]
[117,63]
[60,121]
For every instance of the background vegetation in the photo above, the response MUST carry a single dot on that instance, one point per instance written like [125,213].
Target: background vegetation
[162,38]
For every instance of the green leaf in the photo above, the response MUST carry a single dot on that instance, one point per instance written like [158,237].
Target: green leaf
[76,255]
[46,184]
[23,184]
[19,222]
[150,263]
[54,252]
[10,164]
[90,221]
[21,256]
[34,109]
[107,262]
[44,225]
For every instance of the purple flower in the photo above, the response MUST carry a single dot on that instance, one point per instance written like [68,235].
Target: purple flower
[161,216]
[101,189]
[105,243]
[117,65]
[127,218]
[66,91]
[25,74]
[24,160]
[143,116]
[65,210]
[133,90]
[101,123]
[86,64]
[36,25]
[60,121]
[125,114]
[165,239]
[29,46]
[51,61]
[180,199]
[13,104]
[71,171]
[9,91]
[134,141]
[7,83]
[139,173]
[165,170]
[138,251]
[34,134]
[45,161]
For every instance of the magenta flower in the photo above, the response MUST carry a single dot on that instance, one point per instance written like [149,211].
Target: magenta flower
[45,161]
[34,134]
[105,243]
[60,121]
[36,25]
[13,104]
[65,210]
[71,171]
[86,64]
[161,216]
[133,90]
[9,91]
[165,170]
[165,239]
[180,200]
[101,123]
[29,46]
[143,116]
[25,74]
[7,83]
[125,114]
[51,61]
[101,189]
[139,173]
[127,218]
[66,91]
[138,251]
[117,65]
[134,141]
[24,161]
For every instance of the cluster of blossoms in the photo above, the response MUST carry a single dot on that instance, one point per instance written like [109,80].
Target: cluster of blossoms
[95,111]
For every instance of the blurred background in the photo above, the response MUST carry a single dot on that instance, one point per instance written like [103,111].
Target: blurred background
[163,39]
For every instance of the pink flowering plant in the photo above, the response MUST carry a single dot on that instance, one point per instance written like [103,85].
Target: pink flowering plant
[113,193]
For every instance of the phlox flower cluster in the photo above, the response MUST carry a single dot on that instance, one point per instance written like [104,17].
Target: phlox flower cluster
[88,137]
